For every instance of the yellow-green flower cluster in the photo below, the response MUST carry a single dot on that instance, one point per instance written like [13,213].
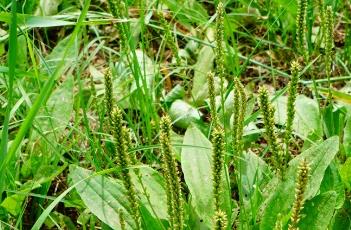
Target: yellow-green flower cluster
[220,220]
[169,38]
[217,165]
[268,118]
[301,183]
[240,101]
[173,187]
[120,133]
[292,93]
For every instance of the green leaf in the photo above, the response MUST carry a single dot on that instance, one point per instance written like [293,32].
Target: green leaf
[307,124]
[148,70]
[22,59]
[345,173]
[334,120]
[13,203]
[196,166]
[61,220]
[318,212]
[177,92]
[342,219]
[203,65]
[54,118]
[332,182]
[51,123]
[182,114]
[280,201]
[55,57]
[150,222]
[34,21]
[254,172]
[347,137]
[154,184]
[49,7]
[103,196]
[303,125]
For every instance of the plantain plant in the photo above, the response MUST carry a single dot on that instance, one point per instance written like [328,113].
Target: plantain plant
[241,155]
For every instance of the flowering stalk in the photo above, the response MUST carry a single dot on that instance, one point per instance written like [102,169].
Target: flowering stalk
[301,183]
[329,43]
[236,116]
[301,25]
[123,162]
[322,23]
[218,163]
[173,187]
[118,10]
[219,50]
[268,119]
[240,102]
[292,92]
[212,97]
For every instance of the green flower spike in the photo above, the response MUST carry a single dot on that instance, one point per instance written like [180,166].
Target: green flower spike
[219,50]
[173,187]
[123,162]
[301,183]
[268,119]
[322,22]
[301,25]
[240,110]
[292,92]
[218,164]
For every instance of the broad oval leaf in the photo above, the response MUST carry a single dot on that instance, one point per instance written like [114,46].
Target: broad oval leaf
[182,114]
[317,213]
[303,124]
[280,201]
[196,166]
[105,196]
[203,65]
